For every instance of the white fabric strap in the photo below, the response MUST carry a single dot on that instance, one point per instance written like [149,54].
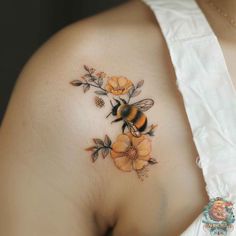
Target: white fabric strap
[208,92]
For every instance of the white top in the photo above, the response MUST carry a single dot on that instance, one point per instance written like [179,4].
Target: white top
[209,97]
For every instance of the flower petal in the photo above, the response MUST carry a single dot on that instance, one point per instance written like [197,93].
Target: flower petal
[123,138]
[139,164]
[144,147]
[117,92]
[145,158]
[113,82]
[137,140]
[116,154]
[123,163]
[119,146]
[129,84]
[108,87]
[125,90]
[122,81]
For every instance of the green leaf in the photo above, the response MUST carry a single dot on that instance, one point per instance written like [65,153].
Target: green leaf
[131,90]
[94,156]
[135,93]
[76,82]
[98,142]
[152,161]
[105,152]
[92,79]
[86,76]
[86,68]
[107,141]
[86,87]
[101,92]
[140,84]
[100,81]
[151,133]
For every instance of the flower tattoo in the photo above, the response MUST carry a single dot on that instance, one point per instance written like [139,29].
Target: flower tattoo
[218,216]
[131,151]
[118,85]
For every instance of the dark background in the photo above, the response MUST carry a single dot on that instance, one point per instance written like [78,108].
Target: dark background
[26,24]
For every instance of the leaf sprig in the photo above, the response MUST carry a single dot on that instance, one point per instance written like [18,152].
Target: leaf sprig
[101,146]
[91,79]
[151,130]
[135,91]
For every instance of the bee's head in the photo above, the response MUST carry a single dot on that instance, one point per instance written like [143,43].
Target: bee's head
[115,107]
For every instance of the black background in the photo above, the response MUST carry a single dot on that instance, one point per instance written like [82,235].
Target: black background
[26,24]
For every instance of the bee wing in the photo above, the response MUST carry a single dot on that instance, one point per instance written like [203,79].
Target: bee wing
[133,130]
[144,104]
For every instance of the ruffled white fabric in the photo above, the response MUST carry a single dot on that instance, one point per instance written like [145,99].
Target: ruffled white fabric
[208,93]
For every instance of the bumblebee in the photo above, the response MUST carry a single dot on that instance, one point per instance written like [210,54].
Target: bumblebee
[131,114]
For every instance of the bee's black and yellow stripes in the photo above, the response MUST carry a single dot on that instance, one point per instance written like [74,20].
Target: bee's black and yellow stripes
[135,116]
[140,121]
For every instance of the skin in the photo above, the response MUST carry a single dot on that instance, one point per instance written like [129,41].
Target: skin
[49,186]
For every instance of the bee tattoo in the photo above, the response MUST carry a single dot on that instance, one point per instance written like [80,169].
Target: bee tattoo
[131,151]
[131,114]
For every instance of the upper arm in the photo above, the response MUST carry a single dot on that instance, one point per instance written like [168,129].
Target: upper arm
[47,185]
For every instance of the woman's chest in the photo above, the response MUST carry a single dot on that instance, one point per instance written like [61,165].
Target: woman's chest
[173,194]
[171,197]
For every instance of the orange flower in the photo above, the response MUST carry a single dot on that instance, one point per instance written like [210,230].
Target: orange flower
[118,85]
[131,153]
[101,74]
[218,211]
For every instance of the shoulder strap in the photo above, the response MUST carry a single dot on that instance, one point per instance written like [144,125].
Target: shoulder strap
[207,89]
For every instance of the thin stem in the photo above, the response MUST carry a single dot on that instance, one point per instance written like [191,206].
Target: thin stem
[130,95]
[100,87]
[96,83]
[129,99]
[98,149]
[96,86]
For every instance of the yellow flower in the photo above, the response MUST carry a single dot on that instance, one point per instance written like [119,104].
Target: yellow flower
[131,153]
[218,211]
[118,85]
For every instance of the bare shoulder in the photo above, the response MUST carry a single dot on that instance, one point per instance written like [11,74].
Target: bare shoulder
[49,123]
